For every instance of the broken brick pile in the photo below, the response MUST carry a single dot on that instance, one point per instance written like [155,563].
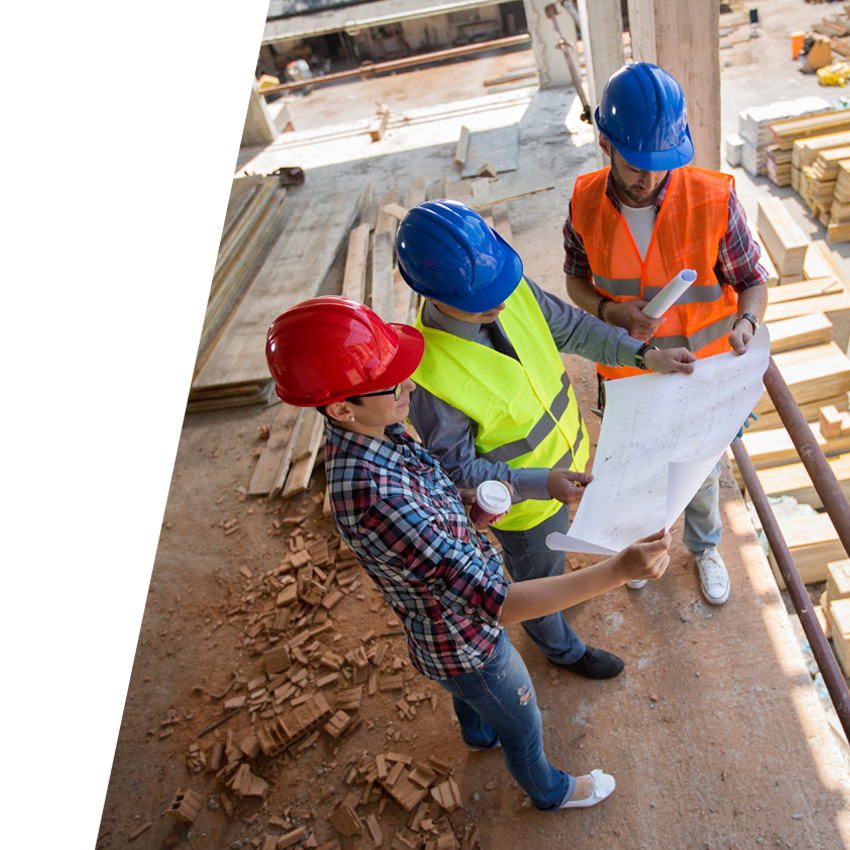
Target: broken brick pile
[306,687]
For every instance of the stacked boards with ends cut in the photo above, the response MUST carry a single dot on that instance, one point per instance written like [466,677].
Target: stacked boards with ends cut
[235,371]
[838,223]
[808,315]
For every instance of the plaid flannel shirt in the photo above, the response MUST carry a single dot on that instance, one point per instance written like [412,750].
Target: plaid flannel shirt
[737,256]
[403,519]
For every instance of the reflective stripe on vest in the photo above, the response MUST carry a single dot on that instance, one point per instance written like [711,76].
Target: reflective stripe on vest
[690,224]
[525,412]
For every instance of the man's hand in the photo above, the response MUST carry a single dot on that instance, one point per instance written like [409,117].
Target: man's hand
[740,337]
[646,559]
[567,487]
[627,314]
[670,360]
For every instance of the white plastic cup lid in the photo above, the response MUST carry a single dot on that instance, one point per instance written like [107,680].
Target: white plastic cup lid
[493,497]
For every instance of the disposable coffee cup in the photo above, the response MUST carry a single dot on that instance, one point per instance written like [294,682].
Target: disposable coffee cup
[492,499]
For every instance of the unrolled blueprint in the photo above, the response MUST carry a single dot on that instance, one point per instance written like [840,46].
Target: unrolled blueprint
[660,438]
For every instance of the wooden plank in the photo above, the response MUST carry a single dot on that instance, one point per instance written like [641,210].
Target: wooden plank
[500,193]
[835,307]
[782,236]
[499,146]
[799,332]
[300,427]
[402,297]
[462,148]
[293,272]
[378,125]
[299,476]
[793,480]
[397,211]
[383,289]
[813,543]
[387,222]
[775,447]
[437,190]
[810,288]
[502,222]
[822,258]
[771,419]
[812,374]
[354,278]
[416,193]
[262,480]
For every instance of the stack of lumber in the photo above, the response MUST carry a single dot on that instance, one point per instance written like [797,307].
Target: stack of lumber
[833,613]
[371,276]
[235,372]
[817,181]
[257,212]
[786,133]
[779,165]
[782,237]
[754,127]
[805,151]
[809,323]
[838,223]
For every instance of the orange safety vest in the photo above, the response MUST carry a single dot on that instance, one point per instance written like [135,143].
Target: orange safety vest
[688,229]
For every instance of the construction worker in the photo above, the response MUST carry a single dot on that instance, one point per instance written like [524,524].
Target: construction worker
[404,520]
[633,226]
[495,401]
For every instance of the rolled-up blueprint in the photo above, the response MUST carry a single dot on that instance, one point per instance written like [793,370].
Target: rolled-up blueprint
[670,294]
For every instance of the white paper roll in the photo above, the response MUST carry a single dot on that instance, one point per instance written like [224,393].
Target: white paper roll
[670,294]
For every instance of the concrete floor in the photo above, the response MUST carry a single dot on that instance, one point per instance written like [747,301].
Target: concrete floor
[715,733]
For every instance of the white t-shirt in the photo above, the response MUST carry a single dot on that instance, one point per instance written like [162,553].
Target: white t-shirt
[641,222]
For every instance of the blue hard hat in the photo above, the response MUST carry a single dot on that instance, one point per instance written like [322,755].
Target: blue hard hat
[643,115]
[447,252]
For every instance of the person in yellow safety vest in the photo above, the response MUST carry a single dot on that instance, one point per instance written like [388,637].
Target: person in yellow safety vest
[633,226]
[494,400]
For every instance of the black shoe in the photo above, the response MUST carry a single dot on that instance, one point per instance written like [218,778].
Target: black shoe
[595,664]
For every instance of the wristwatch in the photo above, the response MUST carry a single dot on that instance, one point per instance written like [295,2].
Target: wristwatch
[750,318]
[640,363]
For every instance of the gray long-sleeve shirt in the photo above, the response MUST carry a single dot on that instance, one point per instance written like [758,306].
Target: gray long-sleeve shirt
[449,434]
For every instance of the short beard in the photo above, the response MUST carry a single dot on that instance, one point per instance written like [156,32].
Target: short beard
[618,179]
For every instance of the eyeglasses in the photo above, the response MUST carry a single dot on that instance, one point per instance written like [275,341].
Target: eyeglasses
[395,392]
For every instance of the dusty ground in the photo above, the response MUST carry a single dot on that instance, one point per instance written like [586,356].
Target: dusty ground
[713,731]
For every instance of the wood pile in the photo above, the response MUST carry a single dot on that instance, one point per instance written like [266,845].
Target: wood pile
[782,237]
[838,222]
[817,181]
[833,613]
[371,276]
[808,316]
[754,127]
[786,133]
[234,373]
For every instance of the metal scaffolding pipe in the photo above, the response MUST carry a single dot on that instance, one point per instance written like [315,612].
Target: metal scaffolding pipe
[367,68]
[821,650]
[823,478]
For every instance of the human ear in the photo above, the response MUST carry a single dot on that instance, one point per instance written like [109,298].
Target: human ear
[340,411]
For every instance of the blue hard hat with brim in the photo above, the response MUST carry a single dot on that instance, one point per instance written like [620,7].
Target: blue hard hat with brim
[447,252]
[643,114]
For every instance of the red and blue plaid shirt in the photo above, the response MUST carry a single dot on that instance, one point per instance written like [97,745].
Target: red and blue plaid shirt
[403,519]
[737,256]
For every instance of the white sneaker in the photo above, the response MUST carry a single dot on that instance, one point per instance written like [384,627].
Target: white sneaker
[636,585]
[713,577]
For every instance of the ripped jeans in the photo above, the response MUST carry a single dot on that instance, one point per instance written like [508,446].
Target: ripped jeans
[497,704]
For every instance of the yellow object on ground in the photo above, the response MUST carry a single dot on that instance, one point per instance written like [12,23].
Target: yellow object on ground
[834,75]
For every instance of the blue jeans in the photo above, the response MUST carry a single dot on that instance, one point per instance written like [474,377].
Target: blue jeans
[496,704]
[527,556]
[703,525]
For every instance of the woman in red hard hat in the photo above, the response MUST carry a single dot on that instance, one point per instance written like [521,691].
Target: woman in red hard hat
[405,522]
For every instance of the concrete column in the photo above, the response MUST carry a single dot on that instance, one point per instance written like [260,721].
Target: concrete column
[552,67]
[683,38]
[602,36]
[259,127]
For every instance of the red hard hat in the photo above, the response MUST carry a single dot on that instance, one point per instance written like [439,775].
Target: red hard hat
[330,348]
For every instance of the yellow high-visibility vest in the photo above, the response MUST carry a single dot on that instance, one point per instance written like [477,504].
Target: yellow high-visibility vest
[525,411]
